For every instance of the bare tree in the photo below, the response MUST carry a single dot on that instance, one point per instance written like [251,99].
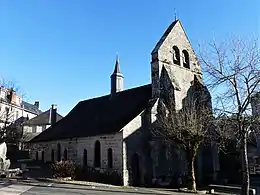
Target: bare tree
[233,74]
[189,127]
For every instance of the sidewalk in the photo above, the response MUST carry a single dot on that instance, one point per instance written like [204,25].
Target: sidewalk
[75,182]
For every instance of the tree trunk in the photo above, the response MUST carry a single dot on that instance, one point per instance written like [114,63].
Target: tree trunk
[193,185]
[245,173]
[193,178]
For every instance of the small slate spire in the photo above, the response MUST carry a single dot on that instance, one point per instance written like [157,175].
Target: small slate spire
[117,70]
[117,78]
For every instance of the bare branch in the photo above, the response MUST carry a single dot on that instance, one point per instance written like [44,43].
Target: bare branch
[235,72]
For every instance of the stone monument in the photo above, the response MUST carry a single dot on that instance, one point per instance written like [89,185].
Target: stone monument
[4,163]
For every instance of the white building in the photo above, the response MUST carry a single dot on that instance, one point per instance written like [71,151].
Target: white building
[12,107]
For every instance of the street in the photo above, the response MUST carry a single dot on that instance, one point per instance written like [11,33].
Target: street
[34,187]
[47,188]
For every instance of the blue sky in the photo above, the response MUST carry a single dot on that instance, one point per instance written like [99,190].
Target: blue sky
[61,51]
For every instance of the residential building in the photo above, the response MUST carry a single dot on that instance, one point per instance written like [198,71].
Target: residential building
[12,107]
[35,126]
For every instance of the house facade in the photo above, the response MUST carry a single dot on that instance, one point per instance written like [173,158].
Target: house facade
[35,126]
[12,107]
[116,131]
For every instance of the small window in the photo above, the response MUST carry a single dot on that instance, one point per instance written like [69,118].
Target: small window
[58,152]
[97,158]
[186,60]
[109,158]
[42,156]
[85,158]
[34,129]
[7,110]
[52,155]
[36,155]
[65,155]
[17,114]
[176,55]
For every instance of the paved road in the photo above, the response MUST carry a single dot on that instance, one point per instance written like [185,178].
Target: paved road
[45,188]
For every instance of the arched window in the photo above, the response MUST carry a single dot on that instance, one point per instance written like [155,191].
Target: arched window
[36,155]
[176,55]
[58,152]
[97,158]
[65,155]
[109,158]
[186,59]
[43,156]
[85,158]
[52,155]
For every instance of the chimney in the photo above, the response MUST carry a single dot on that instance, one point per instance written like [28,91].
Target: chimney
[37,104]
[10,95]
[53,114]
[13,97]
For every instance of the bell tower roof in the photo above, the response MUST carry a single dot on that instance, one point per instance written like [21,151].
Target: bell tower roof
[117,78]
[117,69]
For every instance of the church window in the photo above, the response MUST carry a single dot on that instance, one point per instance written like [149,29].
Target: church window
[43,156]
[186,60]
[52,155]
[65,155]
[58,152]
[36,155]
[97,158]
[176,55]
[110,158]
[85,158]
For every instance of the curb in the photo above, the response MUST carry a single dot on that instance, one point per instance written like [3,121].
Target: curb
[82,183]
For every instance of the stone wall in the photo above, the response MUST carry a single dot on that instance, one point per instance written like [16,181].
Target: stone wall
[136,151]
[253,159]
[75,150]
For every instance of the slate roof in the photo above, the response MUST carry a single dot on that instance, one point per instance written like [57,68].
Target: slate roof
[20,120]
[42,119]
[103,115]
[31,108]
[28,136]
[27,106]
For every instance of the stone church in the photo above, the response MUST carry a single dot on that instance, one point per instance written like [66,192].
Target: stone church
[113,132]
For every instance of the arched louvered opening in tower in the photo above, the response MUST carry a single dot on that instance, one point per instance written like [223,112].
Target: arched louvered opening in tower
[176,55]
[186,59]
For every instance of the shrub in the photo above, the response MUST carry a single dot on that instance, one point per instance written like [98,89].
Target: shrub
[63,169]
[101,176]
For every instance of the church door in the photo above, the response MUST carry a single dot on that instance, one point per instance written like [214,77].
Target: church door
[135,167]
